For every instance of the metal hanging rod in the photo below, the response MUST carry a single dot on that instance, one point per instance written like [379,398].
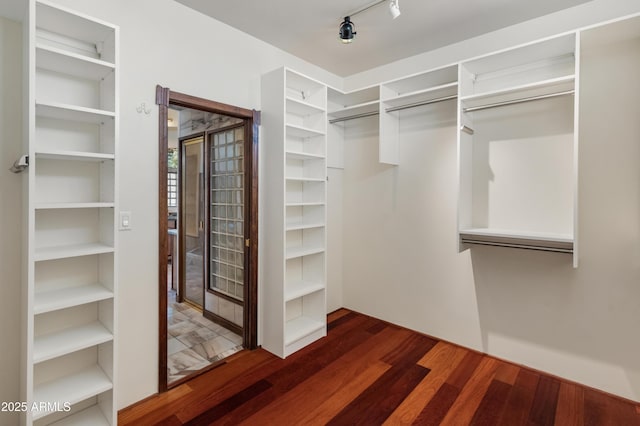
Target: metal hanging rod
[519,101]
[518,246]
[353,117]
[417,104]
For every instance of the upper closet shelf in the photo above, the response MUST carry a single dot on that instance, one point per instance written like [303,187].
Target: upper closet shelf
[59,60]
[298,155]
[56,206]
[302,132]
[519,239]
[72,112]
[302,108]
[73,155]
[538,90]
[369,108]
[448,90]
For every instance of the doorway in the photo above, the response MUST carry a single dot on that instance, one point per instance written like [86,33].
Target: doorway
[208,261]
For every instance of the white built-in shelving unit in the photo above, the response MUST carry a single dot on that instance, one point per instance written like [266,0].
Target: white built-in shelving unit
[518,147]
[293,296]
[70,290]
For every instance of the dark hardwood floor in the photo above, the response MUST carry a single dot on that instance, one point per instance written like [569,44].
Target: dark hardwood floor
[370,372]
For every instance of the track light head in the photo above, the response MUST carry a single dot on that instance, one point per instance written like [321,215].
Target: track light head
[394,8]
[347,30]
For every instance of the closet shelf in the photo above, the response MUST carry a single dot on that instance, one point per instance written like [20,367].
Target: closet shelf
[75,250]
[304,204]
[299,155]
[302,108]
[91,416]
[363,108]
[305,179]
[297,289]
[53,300]
[67,112]
[73,155]
[56,206]
[73,388]
[423,95]
[300,226]
[70,340]
[541,88]
[302,132]
[294,252]
[62,61]
[300,327]
[518,239]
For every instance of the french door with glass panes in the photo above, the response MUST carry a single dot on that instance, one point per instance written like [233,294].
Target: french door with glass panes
[226,287]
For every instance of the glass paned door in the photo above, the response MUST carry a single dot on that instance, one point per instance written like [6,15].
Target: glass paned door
[193,220]
[227,248]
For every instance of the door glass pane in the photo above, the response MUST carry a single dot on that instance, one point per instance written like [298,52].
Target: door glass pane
[194,220]
[227,212]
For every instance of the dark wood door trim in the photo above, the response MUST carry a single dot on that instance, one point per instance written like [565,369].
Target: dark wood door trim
[165,97]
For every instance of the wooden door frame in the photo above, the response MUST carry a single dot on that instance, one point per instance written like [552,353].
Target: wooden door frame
[165,97]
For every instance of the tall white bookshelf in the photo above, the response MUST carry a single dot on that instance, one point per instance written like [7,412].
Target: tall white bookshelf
[293,297]
[518,147]
[70,290]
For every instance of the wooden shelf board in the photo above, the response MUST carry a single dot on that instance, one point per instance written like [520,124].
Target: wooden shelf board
[302,108]
[89,416]
[302,132]
[72,112]
[427,94]
[540,88]
[299,289]
[48,301]
[75,250]
[55,206]
[70,340]
[62,61]
[363,108]
[294,252]
[73,388]
[73,155]
[300,327]
[298,155]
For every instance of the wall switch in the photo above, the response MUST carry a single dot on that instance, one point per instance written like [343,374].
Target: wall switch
[125,221]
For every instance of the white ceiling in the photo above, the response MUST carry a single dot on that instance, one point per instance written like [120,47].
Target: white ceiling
[309,29]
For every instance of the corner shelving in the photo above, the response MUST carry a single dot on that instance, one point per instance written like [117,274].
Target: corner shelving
[518,147]
[294,305]
[71,289]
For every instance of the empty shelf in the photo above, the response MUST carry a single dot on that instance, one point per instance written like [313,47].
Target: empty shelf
[299,226]
[47,301]
[298,155]
[54,206]
[300,327]
[302,108]
[307,203]
[305,179]
[73,389]
[90,416]
[73,155]
[293,252]
[62,61]
[70,340]
[302,132]
[75,250]
[428,94]
[518,239]
[298,289]
[72,112]
[364,108]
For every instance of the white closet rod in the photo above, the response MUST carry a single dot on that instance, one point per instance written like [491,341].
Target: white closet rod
[519,101]
[520,246]
[353,117]
[391,109]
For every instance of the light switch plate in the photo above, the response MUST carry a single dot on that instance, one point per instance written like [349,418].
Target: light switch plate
[125,221]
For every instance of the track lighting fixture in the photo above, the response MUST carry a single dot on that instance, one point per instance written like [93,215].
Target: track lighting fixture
[347,27]
[347,32]
[394,8]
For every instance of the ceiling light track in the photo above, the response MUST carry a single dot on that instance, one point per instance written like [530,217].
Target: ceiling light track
[347,28]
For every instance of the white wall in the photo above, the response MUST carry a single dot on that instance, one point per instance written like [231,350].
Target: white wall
[10,211]
[159,41]
[401,262]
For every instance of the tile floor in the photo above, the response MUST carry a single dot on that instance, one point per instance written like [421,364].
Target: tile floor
[194,342]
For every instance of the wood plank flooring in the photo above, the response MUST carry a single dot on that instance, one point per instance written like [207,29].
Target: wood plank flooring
[368,372]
